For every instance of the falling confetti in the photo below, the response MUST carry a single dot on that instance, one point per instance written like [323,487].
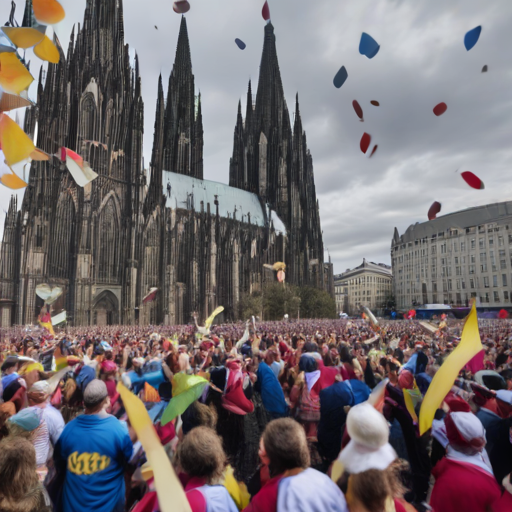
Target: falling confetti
[80,170]
[485,69]
[368,46]
[14,76]
[340,78]
[375,103]
[23,37]
[365,142]
[240,44]
[12,101]
[265,12]
[434,210]
[471,37]
[440,109]
[374,149]
[13,182]
[15,143]
[47,51]
[358,110]
[48,11]
[472,180]
[181,7]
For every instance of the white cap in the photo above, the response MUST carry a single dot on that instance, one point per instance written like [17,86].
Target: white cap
[369,447]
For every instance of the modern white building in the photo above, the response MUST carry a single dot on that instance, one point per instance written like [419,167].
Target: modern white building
[455,257]
[369,284]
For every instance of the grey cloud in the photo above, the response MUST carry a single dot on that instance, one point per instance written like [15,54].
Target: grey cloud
[422,61]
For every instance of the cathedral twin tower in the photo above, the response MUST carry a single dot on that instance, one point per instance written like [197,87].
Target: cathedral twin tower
[200,243]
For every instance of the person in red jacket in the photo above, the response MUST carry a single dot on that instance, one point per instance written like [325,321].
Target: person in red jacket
[464,477]
[504,503]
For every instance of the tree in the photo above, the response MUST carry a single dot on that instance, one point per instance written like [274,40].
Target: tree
[250,305]
[279,300]
[316,303]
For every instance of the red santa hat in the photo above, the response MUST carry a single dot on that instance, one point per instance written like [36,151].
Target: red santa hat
[465,432]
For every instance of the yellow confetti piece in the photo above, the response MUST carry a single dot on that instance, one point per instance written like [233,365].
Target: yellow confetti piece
[23,37]
[14,76]
[16,144]
[12,181]
[39,155]
[47,51]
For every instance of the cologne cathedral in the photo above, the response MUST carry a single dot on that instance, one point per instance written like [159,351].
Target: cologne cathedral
[199,243]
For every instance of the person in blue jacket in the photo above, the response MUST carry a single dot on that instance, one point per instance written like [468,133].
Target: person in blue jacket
[92,453]
[271,390]
[333,415]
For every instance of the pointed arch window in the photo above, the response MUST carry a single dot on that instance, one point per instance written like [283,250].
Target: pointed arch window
[108,261]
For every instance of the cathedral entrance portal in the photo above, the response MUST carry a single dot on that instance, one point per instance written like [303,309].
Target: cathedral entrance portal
[106,309]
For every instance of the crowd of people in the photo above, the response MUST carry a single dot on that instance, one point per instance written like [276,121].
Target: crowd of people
[310,415]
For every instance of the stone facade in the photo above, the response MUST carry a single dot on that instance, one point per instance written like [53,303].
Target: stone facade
[201,243]
[454,258]
[369,284]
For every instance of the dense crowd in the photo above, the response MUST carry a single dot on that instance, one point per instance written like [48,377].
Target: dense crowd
[310,415]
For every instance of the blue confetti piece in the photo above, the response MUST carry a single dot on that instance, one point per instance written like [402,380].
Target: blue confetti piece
[340,77]
[368,46]
[240,44]
[472,37]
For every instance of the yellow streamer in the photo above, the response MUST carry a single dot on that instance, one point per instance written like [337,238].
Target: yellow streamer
[211,318]
[171,496]
[444,379]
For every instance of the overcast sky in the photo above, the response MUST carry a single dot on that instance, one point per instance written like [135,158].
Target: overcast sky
[422,61]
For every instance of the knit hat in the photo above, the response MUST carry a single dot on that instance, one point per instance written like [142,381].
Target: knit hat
[95,393]
[465,432]
[368,447]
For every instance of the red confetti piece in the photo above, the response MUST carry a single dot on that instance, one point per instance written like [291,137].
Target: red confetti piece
[472,180]
[265,12]
[365,142]
[434,210]
[358,110]
[374,149]
[440,109]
